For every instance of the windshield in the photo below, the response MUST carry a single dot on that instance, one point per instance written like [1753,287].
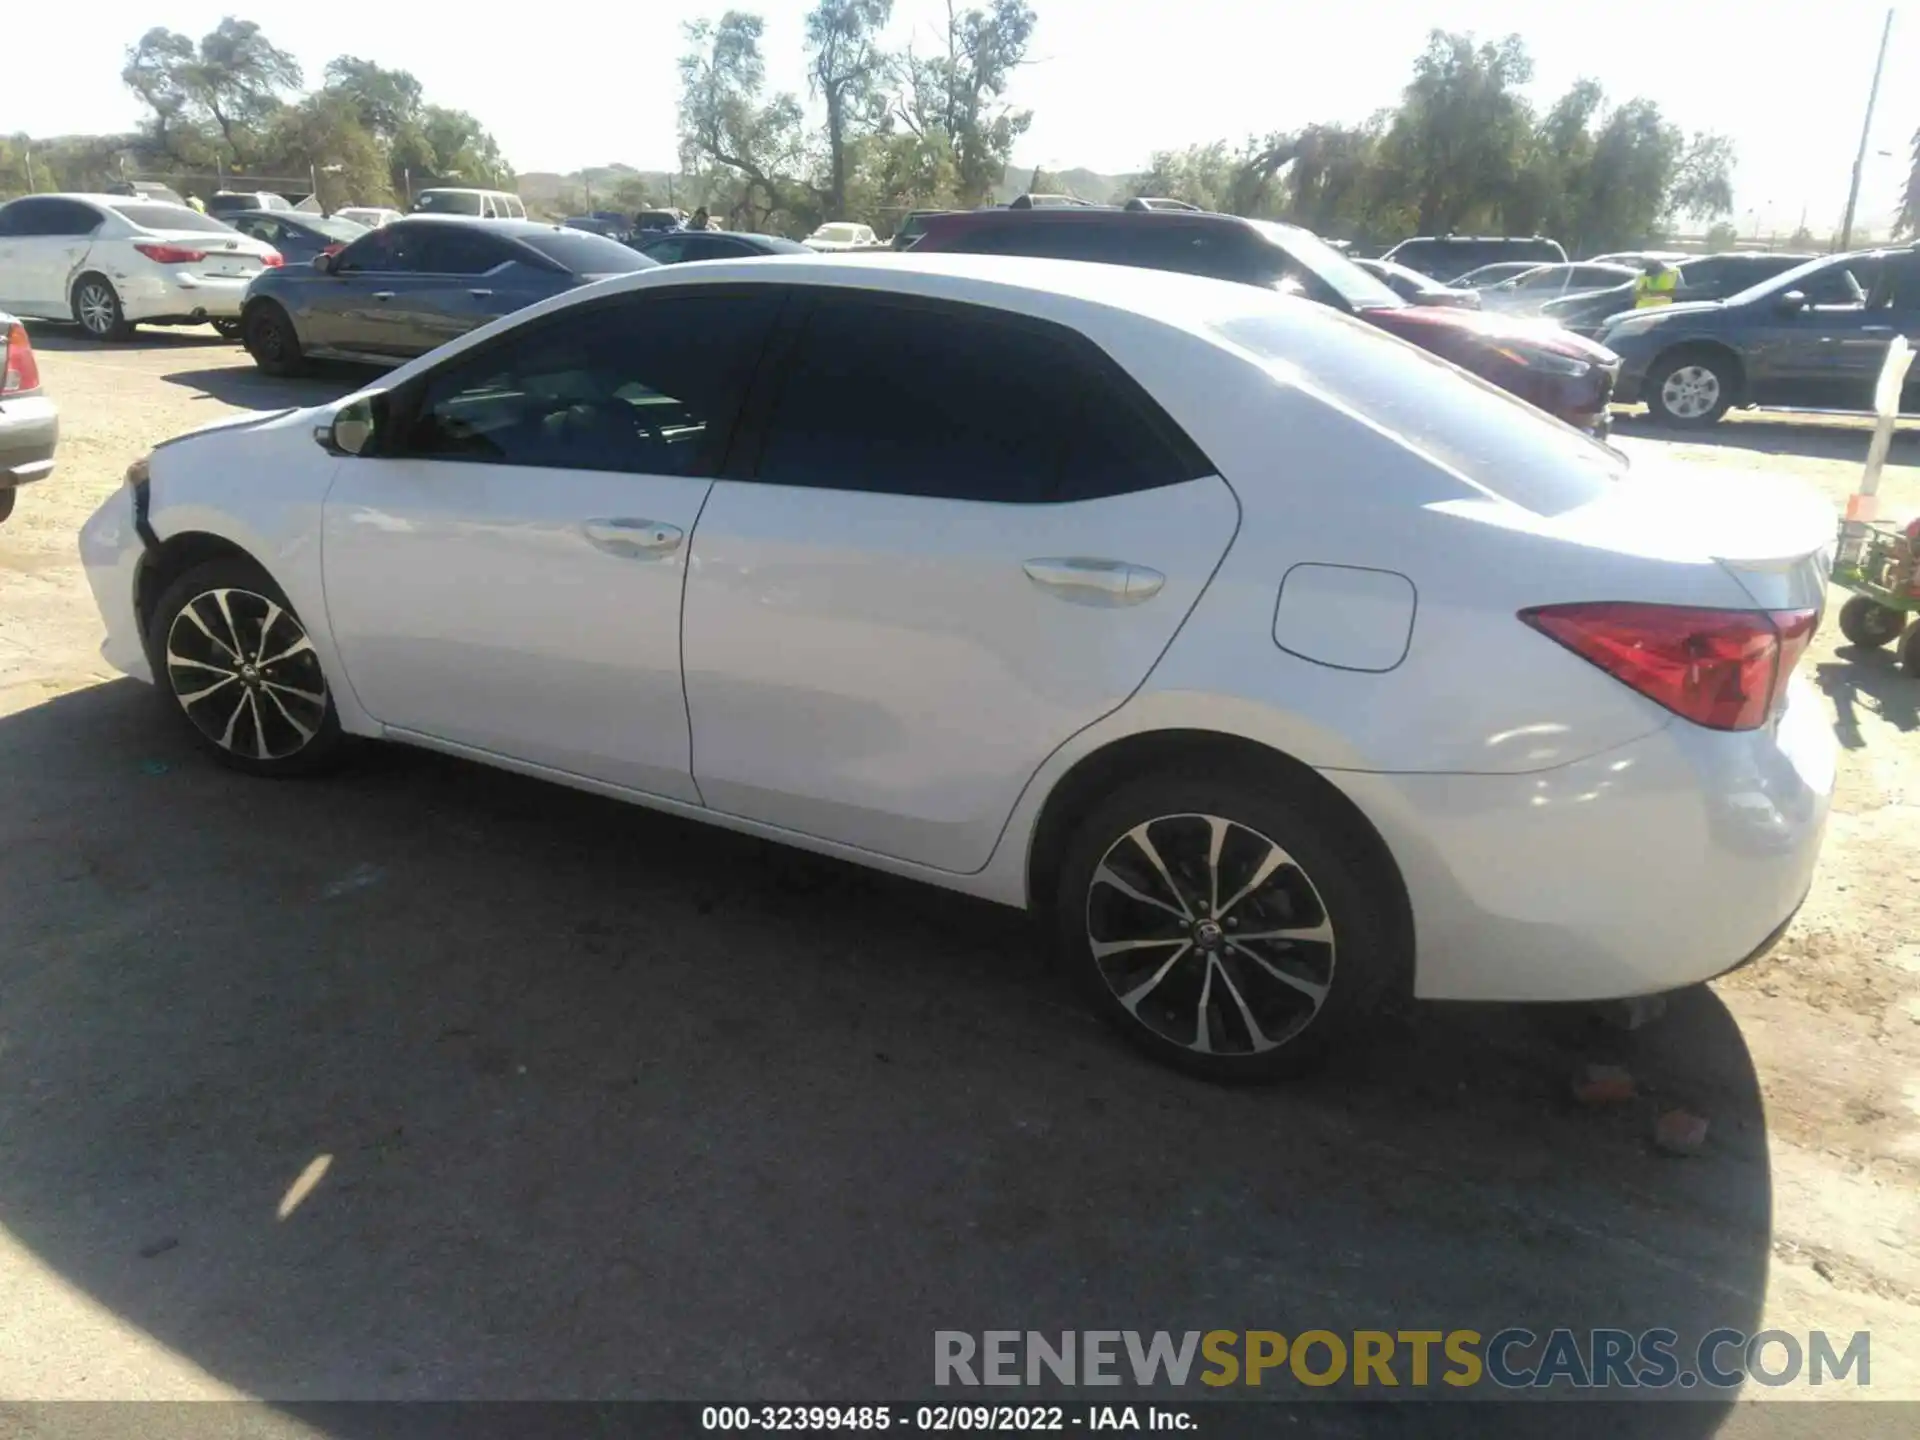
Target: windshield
[584,253]
[448,202]
[171,217]
[1325,269]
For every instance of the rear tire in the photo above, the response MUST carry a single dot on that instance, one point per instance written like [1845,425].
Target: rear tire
[233,663]
[96,308]
[6,503]
[1173,897]
[1869,623]
[1691,389]
[272,341]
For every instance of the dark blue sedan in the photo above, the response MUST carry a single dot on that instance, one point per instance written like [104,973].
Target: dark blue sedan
[411,286]
[297,237]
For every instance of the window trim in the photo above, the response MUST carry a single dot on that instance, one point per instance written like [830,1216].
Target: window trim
[776,368]
[402,407]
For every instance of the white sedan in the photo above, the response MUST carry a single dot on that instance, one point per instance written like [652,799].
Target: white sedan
[842,235]
[1278,664]
[109,262]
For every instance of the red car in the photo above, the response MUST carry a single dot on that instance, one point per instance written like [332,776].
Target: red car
[1564,374]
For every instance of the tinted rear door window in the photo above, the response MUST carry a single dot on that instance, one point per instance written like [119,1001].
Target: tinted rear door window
[459,251]
[963,405]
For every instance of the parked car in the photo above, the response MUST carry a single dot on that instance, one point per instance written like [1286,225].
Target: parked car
[673,246]
[841,235]
[1701,277]
[1485,275]
[1815,336]
[1418,289]
[1556,370]
[408,287]
[298,238]
[647,221]
[371,216]
[609,223]
[232,202]
[483,204]
[109,262]
[1525,293]
[1244,646]
[147,190]
[29,421]
[912,225]
[1638,258]
[1442,256]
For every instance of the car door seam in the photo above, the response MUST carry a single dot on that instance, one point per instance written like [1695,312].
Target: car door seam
[1239,518]
[680,620]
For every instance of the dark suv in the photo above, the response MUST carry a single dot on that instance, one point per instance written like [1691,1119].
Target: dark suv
[1814,336]
[1705,277]
[1563,374]
[1447,257]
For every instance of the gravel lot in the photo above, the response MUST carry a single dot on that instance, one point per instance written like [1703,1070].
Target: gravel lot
[426,1081]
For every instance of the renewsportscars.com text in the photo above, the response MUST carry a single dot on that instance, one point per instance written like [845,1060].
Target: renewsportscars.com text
[1511,1359]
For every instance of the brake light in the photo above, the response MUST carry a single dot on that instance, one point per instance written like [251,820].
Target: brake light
[20,371]
[1723,669]
[169,254]
[273,259]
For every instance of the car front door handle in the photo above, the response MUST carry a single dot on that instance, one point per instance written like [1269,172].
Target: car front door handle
[481,294]
[383,294]
[1084,581]
[633,539]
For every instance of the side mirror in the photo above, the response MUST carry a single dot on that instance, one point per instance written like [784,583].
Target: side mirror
[1791,303]
[351,430]
[323,262]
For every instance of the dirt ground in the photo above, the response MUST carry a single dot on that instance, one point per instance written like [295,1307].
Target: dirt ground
[426,1081]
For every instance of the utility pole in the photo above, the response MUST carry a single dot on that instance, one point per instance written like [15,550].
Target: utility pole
[1866,129]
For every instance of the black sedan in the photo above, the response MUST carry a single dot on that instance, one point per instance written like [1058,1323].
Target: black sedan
[298,238]
[411,286]
[673,246]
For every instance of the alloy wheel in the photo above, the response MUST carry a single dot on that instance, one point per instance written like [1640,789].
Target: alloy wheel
[1689,392]
[1210,935]
[96,305]
[245,672]
[268,341]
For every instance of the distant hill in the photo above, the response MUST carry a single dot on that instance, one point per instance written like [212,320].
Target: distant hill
[555,193]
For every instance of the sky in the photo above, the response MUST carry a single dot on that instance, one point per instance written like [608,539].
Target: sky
[1109,81]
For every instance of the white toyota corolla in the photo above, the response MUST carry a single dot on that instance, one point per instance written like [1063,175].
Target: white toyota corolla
[1280,664]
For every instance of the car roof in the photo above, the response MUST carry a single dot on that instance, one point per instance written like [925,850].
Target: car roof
[501,226]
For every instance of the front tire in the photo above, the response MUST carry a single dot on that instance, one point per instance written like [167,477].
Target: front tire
[1236,928]
[1868,623]
[96,309]
[234,663]
[272,341]
[1691,389]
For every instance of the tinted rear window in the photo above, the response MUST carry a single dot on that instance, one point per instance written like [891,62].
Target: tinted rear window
[171,217]
[1494,439]
[447,202]
[586,254]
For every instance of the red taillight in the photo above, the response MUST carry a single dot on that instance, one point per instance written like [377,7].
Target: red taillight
[272,259]
[169,254]
[20,370]
[1719,668]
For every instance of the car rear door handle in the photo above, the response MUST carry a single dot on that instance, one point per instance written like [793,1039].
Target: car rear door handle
[1086,581]
[383,294]
[481,294]
[633,539]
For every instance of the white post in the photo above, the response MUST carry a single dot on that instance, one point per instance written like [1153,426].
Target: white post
[1886,410]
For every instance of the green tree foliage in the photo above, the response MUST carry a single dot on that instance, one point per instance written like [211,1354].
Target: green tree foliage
[846,69]
[386,102]
[745,151]
[223,91]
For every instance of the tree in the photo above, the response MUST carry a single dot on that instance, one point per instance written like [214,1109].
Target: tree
[322,136]
[1721,237]
[728,125]
[955,98]
[234,78]
[441,145]
[845,68]
[386,101]
[1454,148]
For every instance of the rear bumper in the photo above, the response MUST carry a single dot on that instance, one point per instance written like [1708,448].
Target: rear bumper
[179,295]
[1659,864]
[29,433]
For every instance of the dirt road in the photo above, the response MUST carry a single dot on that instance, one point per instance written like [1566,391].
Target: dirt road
[430,1081]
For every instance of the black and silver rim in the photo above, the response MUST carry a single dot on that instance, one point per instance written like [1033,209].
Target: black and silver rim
[1690,392]
[96,305]
[245,672]
[1210,935]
